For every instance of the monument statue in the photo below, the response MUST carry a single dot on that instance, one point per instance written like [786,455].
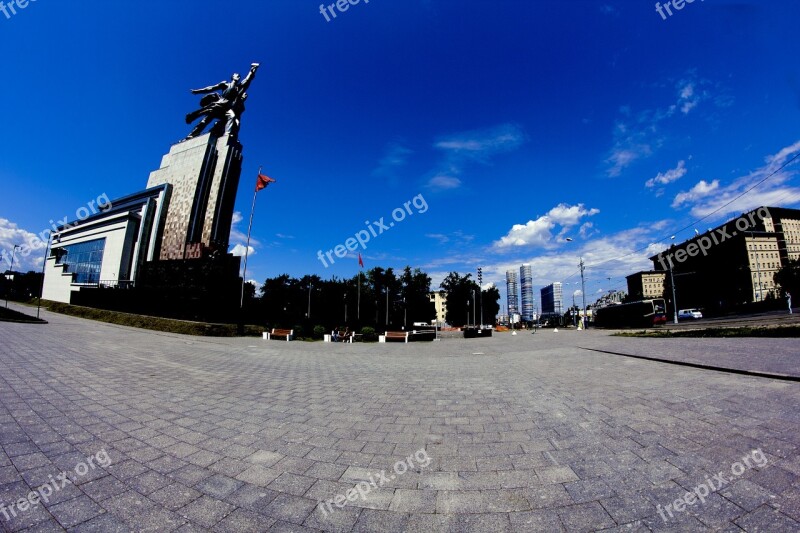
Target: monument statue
[225,106]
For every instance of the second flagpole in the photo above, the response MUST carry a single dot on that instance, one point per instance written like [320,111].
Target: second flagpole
[247,246]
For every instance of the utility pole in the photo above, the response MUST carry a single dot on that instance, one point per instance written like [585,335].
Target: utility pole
[583,295]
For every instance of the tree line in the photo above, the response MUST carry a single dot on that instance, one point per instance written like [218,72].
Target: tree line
[378,299]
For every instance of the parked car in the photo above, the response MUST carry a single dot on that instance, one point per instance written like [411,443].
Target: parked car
[689,314]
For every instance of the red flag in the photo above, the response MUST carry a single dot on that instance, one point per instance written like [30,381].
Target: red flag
[263,181]
[360,261]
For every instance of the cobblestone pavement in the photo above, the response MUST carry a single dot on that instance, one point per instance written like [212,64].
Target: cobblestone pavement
[522,433]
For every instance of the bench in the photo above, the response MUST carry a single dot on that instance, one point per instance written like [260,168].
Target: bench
[394,335]
[288,333]
[339,335]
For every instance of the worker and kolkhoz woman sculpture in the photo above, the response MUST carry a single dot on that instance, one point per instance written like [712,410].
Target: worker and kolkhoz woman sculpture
[225,106]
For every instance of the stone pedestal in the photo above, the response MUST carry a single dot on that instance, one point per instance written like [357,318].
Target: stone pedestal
[204,174]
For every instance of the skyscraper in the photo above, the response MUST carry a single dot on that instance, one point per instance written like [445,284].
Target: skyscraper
[512,292]
[526,284]
[551,299]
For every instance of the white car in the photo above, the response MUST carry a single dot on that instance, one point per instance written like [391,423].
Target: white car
[689,314]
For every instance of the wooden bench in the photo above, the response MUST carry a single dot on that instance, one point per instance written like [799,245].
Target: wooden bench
[394,335]
[288,333]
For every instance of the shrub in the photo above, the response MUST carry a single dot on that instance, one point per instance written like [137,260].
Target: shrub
[319,332]
[369,334]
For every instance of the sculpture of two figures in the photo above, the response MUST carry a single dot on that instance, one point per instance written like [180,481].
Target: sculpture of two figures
[225,106]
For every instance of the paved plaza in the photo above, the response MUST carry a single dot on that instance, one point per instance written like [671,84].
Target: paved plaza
[163,432]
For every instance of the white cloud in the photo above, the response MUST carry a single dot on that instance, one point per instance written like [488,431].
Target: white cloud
[239,249]
[539,232]
[665,178]
[569,215]
[776,191]
[30,254]
[638,135]
[688,100]
[480,144]
[237,217]
[395,156]
[477,146]
[443,183]
[700,190]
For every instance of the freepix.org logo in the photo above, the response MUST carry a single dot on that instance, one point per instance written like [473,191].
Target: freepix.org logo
[9,9]
[362,237]
[714,238]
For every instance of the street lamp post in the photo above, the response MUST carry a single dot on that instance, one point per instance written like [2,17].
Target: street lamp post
[310,285]
[672,283]
[480,289]
[474,313]
[11,269]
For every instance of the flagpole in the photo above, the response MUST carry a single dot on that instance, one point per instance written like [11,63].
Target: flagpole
[359,296]
[247,246]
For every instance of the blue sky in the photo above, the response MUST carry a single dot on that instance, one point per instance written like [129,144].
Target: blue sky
[520,123]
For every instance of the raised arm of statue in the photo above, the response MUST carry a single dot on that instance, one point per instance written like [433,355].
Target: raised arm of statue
[211,88]
[249,77]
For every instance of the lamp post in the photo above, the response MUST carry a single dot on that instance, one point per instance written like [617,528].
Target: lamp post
[10,269]
[474,307]
[480,289]
[583,288]
[672,283]
[310,286]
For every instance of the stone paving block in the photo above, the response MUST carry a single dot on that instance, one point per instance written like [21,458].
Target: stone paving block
[258,475]
[206,511]
[104,523]
[245,522]
[767,519]
[174,496]
[333,519]
[535,521]
[746,494]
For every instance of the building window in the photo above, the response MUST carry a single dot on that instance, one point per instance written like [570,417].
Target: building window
[84,259]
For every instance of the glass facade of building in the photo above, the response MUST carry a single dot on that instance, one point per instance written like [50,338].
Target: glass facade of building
[526,284]
[83,259]
[512,291]
[552,299]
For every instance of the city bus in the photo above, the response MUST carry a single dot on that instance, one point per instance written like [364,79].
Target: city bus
[645,313]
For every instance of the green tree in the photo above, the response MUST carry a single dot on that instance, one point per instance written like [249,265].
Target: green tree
[459,290]
[415,288]
[788,277]
[490,300]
